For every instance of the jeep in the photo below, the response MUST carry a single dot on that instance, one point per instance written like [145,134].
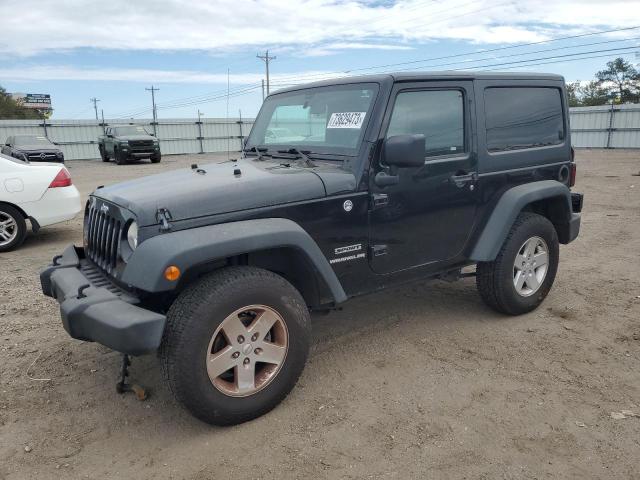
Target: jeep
[128,142]
[344,187]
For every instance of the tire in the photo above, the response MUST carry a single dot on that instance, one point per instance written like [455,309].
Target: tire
[503,284]
[156,158]
[120,160]
[190,337]
[13,228]
[103,154]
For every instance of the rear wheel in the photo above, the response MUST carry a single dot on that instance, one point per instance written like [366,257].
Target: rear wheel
[13,228]
[235,344]
[522,274]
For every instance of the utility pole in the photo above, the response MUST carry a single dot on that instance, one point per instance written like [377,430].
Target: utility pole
[263,89]
[102,114]
[266,58]
[153,90]
[200,131]
[95,101]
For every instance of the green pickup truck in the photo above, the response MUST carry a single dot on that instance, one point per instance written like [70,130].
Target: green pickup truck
[128,142]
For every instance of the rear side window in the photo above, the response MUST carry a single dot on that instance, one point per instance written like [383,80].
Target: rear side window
[437,114]
[523,117]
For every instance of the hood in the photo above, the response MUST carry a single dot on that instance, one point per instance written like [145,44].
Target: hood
[135,137]
[36,148]
[188,194]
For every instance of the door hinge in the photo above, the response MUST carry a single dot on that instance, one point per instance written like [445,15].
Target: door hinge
[378,250]
[379,200]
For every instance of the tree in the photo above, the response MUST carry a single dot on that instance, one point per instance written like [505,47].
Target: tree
[573,90]
[10,109]
[593,94]
[620,79]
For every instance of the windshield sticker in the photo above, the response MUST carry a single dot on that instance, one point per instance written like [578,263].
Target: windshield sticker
[346,120]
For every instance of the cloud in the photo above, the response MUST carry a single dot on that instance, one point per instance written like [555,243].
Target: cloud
[36,26]
[53,72]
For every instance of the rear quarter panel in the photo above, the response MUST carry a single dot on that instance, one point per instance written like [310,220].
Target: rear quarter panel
[24,183]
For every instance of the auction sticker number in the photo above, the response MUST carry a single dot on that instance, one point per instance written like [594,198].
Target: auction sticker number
[346,120]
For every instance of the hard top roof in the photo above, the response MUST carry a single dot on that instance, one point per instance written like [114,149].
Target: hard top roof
[416,76]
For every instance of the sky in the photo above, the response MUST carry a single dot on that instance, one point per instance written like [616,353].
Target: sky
[195,51]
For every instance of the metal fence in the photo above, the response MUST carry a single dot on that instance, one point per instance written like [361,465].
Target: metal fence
[616,126]
[607,126]
[78,139]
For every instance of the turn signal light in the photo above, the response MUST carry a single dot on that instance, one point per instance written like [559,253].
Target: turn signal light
[172,273]
[63,179]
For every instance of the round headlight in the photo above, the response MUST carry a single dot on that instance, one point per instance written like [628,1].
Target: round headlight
[132,235]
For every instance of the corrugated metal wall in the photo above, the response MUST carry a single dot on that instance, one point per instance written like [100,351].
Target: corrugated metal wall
[78,139]
[616,126]
[591,127]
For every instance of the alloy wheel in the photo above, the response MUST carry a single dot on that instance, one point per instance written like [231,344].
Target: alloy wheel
[247,350]
[8,229]
[530,266]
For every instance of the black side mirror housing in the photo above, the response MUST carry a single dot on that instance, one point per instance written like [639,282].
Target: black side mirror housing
[404,151]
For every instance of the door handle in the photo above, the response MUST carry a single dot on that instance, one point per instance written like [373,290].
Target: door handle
[461,180]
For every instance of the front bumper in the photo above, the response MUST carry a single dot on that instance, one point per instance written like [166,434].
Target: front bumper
[94,309]
[134,153]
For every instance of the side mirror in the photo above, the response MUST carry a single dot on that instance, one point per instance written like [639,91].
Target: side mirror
[404,150]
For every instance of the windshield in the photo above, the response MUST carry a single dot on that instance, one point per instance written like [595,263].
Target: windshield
[130,130]
[322,120]
[31,140]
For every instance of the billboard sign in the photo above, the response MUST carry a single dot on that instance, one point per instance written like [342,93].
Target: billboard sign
[39,101]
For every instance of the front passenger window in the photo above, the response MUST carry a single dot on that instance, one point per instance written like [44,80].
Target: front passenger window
[437,114]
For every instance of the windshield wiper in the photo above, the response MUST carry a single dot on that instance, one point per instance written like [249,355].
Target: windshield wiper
[300,155]
[261,152]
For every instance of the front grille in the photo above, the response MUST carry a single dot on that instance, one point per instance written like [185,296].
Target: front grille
[103,234]
[37,156]
[141,144]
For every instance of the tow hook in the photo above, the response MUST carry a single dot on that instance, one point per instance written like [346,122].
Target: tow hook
[123,387]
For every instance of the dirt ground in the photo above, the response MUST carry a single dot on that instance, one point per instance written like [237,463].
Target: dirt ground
[418,382]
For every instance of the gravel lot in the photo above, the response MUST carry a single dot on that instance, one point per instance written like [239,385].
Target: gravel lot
[418,382]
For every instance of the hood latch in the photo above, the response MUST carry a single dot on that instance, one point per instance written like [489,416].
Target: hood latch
[163,216]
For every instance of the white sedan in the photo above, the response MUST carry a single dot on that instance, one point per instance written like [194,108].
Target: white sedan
[39,192]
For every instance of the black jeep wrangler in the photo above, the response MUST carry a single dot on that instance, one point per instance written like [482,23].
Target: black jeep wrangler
[344,187]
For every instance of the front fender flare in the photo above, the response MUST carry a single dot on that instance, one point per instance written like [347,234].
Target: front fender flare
[508,208]
[188,248]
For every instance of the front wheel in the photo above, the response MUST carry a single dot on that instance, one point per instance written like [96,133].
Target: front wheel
[522,274]
[235,344]
[103,154]
[156,158]
[13,228]
[119,157]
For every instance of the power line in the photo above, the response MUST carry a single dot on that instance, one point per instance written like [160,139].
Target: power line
[528,53]
[423,60]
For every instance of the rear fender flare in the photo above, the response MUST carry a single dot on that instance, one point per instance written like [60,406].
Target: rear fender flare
[509,206]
